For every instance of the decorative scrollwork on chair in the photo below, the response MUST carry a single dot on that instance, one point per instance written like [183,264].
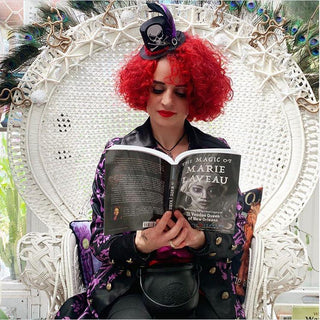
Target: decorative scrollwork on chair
[41,268]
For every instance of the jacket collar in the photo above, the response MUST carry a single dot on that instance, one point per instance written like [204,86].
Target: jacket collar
[142,136]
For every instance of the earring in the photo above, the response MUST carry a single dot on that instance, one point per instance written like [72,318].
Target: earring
[188,200]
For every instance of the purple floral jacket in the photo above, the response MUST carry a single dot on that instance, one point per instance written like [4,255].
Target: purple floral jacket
[120,258]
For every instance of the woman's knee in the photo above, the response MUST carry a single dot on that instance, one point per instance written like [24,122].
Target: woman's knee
[128,307]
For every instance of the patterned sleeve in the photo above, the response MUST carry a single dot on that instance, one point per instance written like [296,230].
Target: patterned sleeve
[116,249]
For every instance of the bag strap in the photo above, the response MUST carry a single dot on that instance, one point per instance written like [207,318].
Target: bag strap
[171,268]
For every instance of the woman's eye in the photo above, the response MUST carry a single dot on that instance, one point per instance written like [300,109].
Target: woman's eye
[181,94]
[157,89]
[196,189]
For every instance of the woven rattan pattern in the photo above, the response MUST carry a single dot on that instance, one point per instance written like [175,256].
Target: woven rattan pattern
[42,252]
[55,145]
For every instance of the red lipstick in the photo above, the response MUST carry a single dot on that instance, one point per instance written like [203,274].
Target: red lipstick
[166,114]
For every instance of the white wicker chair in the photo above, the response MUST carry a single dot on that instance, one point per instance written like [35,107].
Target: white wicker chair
[55,144]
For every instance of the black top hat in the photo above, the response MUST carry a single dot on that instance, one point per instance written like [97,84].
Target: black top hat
[159,34]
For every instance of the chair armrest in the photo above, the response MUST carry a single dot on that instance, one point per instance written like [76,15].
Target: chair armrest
[254,275]
[39,261]
[70,265]
[272,272]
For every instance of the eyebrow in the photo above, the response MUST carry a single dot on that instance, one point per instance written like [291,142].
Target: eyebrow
[162,83]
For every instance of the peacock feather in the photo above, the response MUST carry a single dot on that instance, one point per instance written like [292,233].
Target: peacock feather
[302,32]
[303,42]
[304,46]
[15,61]
[88,7]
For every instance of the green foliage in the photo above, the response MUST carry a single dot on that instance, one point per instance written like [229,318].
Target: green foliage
[298,232]
[3,316]
[12,216]
[301,9]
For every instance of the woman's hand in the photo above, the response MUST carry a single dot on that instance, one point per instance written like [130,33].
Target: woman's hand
[178,234]
[188,236]
[160,235]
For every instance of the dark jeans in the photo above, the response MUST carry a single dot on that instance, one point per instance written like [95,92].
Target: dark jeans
[131,306]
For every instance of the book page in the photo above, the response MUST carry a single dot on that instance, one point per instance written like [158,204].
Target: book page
[188,153]
[208,190]
[165,157]
[134,193]
[151,151]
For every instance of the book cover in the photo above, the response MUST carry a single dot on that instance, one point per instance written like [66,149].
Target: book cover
[305,312]
[143,183]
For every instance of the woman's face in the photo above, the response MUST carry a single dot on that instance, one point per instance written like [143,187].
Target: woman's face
[167,105]
[116,211]
[202,194]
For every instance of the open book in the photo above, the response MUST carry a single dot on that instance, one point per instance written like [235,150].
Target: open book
[143,183]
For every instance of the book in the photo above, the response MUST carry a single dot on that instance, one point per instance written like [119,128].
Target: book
[308,312]
[143,183]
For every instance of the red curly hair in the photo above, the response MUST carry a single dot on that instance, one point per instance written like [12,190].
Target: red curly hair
[197,62]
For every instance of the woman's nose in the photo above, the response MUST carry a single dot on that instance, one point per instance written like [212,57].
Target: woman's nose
[203,194]
[167,98]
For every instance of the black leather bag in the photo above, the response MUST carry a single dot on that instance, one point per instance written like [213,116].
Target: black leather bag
[170,289]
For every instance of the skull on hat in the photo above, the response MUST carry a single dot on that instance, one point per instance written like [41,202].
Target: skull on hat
[156,36]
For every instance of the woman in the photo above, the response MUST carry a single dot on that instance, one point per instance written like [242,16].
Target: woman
[201,195]
[174,78]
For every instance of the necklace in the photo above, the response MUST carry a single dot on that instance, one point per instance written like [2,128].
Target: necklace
[168,151]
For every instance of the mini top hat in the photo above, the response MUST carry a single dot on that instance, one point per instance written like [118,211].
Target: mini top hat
[159,34]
